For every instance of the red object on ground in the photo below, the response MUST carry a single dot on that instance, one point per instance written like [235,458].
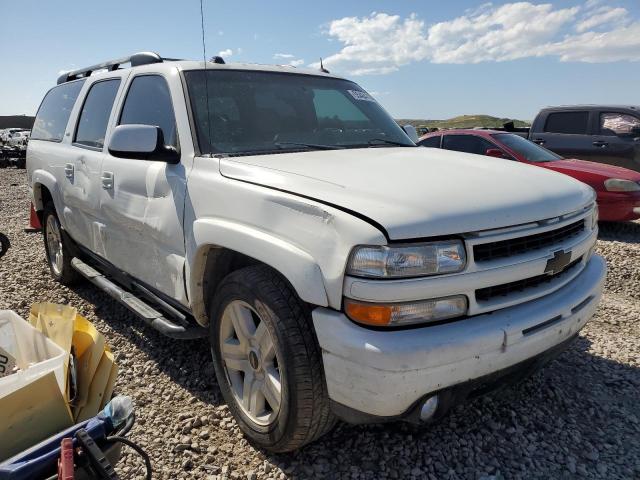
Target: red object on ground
[65,462]
[34,221]
[613,206]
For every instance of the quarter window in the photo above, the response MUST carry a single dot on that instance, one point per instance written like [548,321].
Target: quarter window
[148,102]
[467,144]
[574,123]
[54,112]
[94,117]
[618,124]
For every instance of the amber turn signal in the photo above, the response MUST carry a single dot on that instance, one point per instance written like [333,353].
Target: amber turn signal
[368,313]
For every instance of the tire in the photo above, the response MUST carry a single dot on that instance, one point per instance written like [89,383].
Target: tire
[282,326]
[58,256]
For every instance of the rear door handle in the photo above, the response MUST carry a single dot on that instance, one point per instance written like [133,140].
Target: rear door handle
[600,143]
[68,170]
[539,141]
[107,180]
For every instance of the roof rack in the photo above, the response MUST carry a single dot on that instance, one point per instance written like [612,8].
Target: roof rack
[137,59]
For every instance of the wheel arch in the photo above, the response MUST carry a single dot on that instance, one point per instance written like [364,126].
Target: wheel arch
[43,190]
[237,246]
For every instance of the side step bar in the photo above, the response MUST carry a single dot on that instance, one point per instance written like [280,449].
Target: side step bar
[148,314]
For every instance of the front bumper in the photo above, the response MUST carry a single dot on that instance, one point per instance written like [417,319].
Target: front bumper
[619,207]
[384,373]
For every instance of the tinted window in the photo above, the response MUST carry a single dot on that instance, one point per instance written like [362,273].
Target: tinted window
[466,143]
[567,122]
[618,123]
[148,102]
[264,111]
[529,150]
[432,142]
[92,125]
[53,114]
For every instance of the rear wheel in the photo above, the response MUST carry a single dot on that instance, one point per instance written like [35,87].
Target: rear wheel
[267,360]
[58,248]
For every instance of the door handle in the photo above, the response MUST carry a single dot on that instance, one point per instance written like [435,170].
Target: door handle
[539,141]
[600,143]
[68,170]
[107,180]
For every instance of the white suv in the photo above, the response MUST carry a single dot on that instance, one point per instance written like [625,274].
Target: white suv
[338,270]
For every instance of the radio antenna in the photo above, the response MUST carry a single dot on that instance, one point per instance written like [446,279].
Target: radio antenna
[206,77]
[322,69]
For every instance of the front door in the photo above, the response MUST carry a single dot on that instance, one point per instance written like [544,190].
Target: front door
[142,201]
[616,143]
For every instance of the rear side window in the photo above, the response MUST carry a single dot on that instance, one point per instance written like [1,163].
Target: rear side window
[574,123]
[148,102]
[53,114]
[431,142]
[618,124]
[467,144]
[92,125]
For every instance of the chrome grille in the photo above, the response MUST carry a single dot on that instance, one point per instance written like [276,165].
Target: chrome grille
[516,246]
[490,293]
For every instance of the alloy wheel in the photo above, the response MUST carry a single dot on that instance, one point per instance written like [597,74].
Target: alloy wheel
[250,362]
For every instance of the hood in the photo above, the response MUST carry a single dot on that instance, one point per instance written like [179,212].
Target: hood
[572,165]
[418,192]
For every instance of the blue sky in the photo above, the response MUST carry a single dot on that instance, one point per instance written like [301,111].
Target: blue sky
[420,59]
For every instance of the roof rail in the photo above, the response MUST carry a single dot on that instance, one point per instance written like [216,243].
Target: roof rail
[137,59]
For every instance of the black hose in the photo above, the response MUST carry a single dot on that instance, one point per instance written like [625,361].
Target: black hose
[138,449]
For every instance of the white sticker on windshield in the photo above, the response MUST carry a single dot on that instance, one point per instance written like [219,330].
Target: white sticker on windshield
[358,95]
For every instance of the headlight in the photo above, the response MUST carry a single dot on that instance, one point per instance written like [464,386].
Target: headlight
[619,185]
[390,315]
[407,260]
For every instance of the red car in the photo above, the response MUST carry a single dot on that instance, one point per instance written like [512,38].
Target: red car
[618,188]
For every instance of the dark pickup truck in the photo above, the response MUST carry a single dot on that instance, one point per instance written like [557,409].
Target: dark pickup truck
[599,133]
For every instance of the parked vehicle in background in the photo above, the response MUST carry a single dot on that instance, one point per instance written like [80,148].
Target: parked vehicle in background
[7,134]
[18,138]
[338,270]
[599,133]
[617,188]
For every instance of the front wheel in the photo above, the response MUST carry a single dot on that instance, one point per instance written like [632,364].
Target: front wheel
[267,360]
[58,248]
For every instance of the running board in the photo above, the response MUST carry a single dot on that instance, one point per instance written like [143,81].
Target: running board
[148,314]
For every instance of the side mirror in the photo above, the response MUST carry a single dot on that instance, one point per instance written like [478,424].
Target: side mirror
[411,132]
[494,152]
[143,142]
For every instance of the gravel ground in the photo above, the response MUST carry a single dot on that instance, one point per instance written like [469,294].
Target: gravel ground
[579,417]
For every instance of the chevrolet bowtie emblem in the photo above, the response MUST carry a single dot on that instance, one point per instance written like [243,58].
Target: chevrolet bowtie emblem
[558,263]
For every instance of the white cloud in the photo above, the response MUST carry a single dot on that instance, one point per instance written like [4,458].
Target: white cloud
[296,63]
[381,43]
[602,16]
[283,55]
[225,53]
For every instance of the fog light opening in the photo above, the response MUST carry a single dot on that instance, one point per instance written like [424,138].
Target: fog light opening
[429,408]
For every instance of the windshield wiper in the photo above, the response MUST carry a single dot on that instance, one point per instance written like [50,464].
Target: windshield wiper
[315,146]
[388,142]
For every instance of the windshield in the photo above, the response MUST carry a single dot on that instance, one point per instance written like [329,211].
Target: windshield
[529,150]
[253,112]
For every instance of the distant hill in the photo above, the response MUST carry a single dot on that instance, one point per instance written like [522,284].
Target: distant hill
[16,121]
[465,121]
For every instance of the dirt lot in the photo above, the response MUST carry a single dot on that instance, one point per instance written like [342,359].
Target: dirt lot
[579,417]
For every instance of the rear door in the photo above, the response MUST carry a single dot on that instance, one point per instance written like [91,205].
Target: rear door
[142,201]
[615,143]
[567,133]
[83,165]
